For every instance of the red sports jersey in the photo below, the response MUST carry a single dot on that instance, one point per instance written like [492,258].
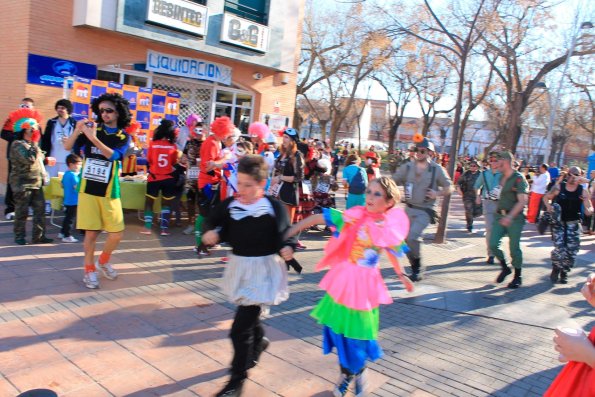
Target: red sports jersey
[209,151]
[162,156]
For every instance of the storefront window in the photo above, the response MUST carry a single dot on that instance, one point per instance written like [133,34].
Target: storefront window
[224,97]
[108,76]
[236,105]
[253,10]
[138,81]
[243,100]
[223,110]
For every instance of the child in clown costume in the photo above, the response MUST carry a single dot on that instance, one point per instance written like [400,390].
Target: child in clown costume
[354,285]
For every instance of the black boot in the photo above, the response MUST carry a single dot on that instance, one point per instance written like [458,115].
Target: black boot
[234,386]
[517,281]
[490,260]
[505,271]
[563,277]
[416,270]
[258,349]
[554,274]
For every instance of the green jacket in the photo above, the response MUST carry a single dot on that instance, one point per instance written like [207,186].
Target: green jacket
[26,172]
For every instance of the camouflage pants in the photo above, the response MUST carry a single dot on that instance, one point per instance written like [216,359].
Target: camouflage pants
[22,200]
[566,238]
[469,204]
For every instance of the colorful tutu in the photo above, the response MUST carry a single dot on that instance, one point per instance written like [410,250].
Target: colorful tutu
[356,287]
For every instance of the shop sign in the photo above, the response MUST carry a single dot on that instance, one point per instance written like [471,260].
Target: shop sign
[52,71]
[188,67]
[244,33]
[180,15]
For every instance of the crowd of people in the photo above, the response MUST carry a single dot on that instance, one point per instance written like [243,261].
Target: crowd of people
[258,192]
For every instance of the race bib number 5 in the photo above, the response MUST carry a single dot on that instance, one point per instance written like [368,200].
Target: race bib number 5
[97,170]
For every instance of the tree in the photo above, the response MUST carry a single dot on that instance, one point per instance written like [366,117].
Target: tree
[511,49]
[457,42]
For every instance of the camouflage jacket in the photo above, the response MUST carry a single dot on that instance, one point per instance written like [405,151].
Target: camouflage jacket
[26,172]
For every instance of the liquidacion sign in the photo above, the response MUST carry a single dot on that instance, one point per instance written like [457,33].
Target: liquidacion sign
[188,67]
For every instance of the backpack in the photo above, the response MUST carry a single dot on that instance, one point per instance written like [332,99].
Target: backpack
[358,185]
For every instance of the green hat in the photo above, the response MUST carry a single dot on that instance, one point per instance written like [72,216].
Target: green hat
[505,155]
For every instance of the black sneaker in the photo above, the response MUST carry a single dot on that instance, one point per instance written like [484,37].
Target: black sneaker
[232,389]
[515,283]
[43,240]
[505,272]
[21,241]
[490,260]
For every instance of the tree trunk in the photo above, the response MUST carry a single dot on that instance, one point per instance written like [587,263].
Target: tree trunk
[323,124]
[514,129]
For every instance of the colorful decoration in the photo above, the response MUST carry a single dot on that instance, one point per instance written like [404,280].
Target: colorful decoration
[418,138]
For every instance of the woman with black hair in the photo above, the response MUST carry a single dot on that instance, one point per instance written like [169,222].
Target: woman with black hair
[162,155]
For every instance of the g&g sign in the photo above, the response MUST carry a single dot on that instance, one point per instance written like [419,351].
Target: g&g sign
[244,33]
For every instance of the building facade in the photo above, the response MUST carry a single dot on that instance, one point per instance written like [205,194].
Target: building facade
[224,57]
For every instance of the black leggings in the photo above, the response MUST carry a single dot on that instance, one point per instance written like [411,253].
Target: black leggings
[246,333]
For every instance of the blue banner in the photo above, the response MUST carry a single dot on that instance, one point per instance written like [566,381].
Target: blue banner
[52,71]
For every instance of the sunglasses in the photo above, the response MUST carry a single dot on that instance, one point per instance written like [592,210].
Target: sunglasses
[107,110]
[24,106]
[376,194]
[573,174]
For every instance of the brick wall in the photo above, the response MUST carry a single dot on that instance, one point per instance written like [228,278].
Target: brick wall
[52,34]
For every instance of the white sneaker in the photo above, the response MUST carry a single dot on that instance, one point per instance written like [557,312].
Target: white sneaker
[107,270]
[69,239]
[189,230]
[10,216]
[60,235]
[91,280]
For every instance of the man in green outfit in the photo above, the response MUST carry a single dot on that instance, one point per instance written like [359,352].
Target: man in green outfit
[509,218]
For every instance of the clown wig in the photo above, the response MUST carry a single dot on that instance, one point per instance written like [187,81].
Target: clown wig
[121,104]
[222,127]
[24,119]
[133,128]
[259,130]
[193,118]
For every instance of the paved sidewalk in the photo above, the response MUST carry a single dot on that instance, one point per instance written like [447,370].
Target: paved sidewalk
[161,328]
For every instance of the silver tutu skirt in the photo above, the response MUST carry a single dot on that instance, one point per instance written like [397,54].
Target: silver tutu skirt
[258,280]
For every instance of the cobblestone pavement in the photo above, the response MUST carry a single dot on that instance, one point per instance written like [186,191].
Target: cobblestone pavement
[161,328]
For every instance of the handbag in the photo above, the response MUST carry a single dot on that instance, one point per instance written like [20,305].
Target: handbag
[274,189]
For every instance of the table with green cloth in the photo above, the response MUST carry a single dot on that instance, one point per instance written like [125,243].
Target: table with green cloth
[132,194]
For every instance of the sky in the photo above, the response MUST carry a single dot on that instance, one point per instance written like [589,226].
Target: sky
[564,15]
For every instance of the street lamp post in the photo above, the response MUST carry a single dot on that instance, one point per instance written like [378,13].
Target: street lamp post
[554,100]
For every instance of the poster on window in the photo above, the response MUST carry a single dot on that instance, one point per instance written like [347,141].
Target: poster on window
[147,106]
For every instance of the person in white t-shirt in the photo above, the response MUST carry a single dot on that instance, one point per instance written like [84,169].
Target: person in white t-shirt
[538,190]
[57,130]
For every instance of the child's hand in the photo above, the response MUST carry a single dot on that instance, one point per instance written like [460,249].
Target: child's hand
[573,348]
[588,289]
[210,238]
[286,253]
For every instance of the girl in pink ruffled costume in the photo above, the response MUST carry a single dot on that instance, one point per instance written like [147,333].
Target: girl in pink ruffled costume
[354,285]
